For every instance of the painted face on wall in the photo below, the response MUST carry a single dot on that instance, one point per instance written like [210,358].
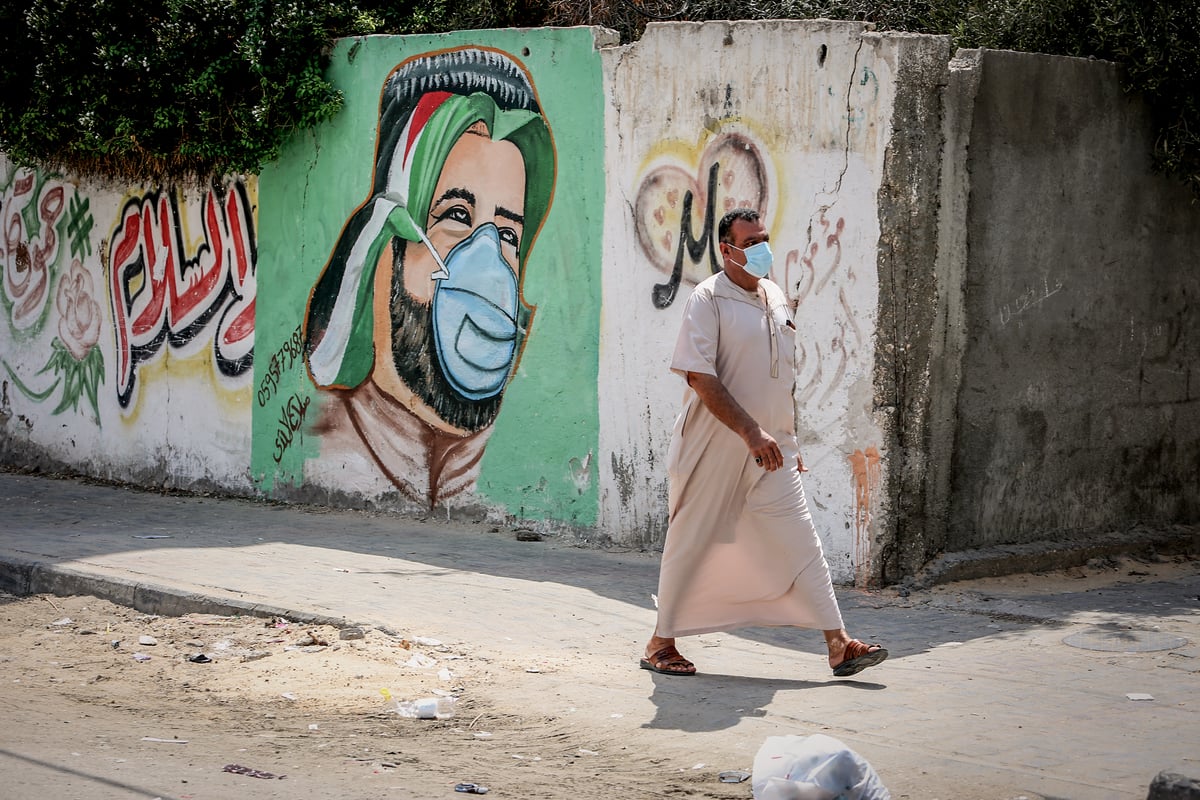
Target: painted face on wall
[428,270]
[454,314]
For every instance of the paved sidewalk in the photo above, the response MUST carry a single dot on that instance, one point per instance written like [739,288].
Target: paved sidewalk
[1007,692]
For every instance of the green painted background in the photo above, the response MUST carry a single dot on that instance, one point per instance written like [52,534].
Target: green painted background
[548,423]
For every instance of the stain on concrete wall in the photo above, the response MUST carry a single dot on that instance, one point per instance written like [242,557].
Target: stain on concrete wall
[865,468]
[438,265]
[914,387]
[128,330]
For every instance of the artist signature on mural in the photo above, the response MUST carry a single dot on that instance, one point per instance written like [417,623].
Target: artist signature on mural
[291,419]
[282,360]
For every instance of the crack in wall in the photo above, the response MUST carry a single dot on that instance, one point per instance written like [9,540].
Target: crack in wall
[825,207]
[849,118]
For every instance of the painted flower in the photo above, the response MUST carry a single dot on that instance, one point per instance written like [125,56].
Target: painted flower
[79,313]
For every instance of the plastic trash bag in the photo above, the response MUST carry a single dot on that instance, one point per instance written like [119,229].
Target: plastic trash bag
[816,767]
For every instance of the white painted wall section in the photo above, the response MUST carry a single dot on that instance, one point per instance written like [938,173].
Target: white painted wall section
[788,117]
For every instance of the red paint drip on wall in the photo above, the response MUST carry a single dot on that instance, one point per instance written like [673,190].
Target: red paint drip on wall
[864,467]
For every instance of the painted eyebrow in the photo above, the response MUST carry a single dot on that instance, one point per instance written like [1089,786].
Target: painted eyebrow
[460,193]
[457,193]
[501,211]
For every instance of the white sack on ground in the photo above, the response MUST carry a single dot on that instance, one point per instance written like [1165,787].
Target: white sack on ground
[816,767]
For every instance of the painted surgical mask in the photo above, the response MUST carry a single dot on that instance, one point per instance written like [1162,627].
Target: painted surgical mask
[475,307]
[758,259]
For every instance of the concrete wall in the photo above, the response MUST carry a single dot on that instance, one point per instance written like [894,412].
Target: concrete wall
[1078,411]
[995,295]
[128,329]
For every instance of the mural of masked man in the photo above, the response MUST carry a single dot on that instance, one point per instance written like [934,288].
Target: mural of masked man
[417,322]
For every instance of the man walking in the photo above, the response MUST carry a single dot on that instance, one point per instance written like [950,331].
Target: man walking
[741,549]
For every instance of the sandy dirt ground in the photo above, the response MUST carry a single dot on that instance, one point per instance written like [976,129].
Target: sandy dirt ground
[102,701]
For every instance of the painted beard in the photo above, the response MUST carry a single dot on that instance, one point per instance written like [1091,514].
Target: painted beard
[415,356]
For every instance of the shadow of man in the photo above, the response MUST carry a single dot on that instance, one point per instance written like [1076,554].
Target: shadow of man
[712,702]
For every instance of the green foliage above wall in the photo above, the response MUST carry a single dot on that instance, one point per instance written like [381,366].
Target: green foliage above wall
[174,88]
[163,88]
[439,16]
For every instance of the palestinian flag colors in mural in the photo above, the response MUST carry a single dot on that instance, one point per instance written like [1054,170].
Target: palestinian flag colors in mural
[417,321]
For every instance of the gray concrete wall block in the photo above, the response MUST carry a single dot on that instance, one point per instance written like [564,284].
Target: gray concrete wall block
[1078,313]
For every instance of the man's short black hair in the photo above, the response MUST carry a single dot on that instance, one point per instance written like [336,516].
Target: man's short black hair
[747,214]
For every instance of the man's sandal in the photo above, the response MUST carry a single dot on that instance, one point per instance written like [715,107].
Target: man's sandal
[858,656]
[666,658]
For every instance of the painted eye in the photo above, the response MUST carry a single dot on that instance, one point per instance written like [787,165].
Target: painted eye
[509,237]
[456,213]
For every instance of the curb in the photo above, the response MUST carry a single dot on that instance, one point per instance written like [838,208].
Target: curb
[991,562]
[22,578]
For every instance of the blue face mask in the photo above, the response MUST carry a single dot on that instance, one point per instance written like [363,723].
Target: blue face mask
[758,259]
[475,305]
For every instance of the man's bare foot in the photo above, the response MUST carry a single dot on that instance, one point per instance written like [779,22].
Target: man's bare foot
[663,658]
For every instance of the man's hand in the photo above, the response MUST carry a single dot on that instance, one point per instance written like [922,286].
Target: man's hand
[716,398]
[765,450]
